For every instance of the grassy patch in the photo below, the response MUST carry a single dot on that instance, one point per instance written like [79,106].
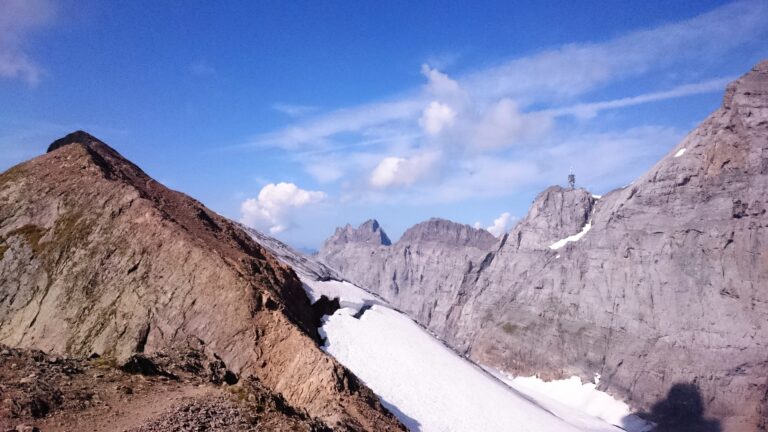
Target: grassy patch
[32,234]
[509,328]
[104,362]
[239,392]
[11,174]
[69,231]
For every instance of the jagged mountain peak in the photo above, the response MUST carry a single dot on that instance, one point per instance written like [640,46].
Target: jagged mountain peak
[368,232]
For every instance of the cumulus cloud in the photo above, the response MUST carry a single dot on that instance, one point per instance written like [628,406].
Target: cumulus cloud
[18,18]
[397,171]
[500,224]
[436,117]
[272,210]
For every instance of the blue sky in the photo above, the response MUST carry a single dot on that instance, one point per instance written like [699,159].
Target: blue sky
[296,117]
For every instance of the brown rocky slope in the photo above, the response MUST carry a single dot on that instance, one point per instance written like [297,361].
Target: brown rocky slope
[97,257]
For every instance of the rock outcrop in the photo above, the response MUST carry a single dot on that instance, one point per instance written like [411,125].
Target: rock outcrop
[97,257]
[667,286]
[555,214]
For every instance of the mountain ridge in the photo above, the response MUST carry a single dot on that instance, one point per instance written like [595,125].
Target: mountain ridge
[661,284]
[98,258]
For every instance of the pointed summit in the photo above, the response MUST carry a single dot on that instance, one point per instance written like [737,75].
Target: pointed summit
[749,90]
[76,137]
[368,232]
[97,257]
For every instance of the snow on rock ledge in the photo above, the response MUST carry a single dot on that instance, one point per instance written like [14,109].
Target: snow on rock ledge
[562,242]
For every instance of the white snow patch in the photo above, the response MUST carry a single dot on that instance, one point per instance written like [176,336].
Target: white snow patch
[597,196]
[680,152]
[349,295]
[562,242]
[561,396]
[424,383]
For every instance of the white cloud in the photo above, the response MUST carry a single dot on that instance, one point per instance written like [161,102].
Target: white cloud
[273,208]
[439,84]
[496,130]
[589,110]
[324,171]
[397,171]
[18,18]
[575,69]
[436,117]
[503,124]
[550,77]
[500,224]
[600,160]
[316,131]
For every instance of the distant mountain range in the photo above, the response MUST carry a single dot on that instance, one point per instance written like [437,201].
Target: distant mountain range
[660,287]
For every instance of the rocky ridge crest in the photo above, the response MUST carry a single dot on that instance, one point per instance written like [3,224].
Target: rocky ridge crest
[97,257]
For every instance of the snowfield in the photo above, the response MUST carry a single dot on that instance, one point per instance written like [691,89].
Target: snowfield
[563,396]
[431,388]
[562,242]
[350,296]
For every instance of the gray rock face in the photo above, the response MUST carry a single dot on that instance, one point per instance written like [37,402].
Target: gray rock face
[449,234]
[556,213]
[421,273]
[669,286]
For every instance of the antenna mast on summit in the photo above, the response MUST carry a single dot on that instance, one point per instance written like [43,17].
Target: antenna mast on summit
[572,179]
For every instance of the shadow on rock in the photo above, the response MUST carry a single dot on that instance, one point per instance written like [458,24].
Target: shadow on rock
[681,411]
[411,423]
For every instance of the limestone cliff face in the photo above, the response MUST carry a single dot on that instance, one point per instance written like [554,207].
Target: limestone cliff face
[669,285]
[419,274]
[97,257]
[556,213]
